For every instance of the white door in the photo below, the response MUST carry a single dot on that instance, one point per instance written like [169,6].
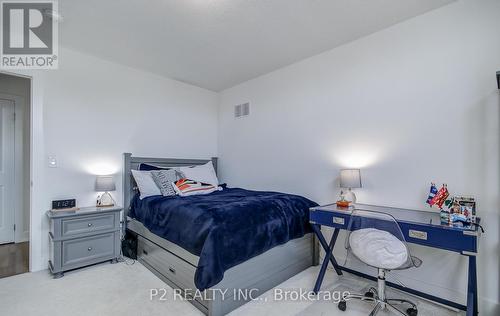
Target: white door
[7,175]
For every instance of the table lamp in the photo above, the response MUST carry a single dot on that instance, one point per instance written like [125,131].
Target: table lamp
[349,179]
[105,184]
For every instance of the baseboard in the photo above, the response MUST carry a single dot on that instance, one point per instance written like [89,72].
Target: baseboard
[44,265]
[488,307]
[22,237]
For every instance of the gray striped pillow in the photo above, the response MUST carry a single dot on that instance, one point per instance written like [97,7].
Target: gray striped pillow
[164,180]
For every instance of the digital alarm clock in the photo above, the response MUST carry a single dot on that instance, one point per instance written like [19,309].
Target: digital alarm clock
[61,204]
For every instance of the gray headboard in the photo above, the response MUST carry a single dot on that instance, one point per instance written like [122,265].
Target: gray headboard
[132,163]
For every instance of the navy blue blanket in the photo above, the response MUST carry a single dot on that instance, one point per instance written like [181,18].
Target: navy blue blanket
[224,228]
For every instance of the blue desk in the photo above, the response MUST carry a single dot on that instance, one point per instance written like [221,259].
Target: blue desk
[418,227]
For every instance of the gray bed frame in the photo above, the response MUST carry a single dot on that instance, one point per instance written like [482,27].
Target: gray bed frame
[176,266]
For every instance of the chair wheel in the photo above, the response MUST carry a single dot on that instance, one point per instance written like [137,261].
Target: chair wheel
[369,294]
[342,305]
[412,311]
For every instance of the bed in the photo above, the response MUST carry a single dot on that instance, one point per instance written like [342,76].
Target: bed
[179,248]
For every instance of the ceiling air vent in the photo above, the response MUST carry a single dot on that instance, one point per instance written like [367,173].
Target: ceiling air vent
[242,110]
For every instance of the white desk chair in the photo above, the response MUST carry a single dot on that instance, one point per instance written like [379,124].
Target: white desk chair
[376,239]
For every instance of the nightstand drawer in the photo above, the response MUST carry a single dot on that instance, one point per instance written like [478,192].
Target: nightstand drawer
[87,224]
[88,249]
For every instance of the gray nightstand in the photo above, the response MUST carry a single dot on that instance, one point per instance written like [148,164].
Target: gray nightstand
[79,238]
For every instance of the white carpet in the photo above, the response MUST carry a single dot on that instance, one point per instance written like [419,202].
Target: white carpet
[122,289]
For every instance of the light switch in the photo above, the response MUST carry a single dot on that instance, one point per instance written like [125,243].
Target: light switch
[52,162]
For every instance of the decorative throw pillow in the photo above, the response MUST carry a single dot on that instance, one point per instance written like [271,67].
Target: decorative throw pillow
[164,179]
[203,173]
[145,183]
[186,187]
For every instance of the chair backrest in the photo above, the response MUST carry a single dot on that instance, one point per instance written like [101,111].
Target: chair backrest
[363,219]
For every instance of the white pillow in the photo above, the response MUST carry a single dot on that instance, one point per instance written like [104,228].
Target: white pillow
[204,173]
[145,183]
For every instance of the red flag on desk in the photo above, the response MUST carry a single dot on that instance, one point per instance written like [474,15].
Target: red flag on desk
[440,197]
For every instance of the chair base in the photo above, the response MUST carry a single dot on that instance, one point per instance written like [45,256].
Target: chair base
[388,304]
[381,302]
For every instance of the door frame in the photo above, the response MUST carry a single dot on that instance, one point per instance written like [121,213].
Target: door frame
[19,175]
[34,121]
[8,108]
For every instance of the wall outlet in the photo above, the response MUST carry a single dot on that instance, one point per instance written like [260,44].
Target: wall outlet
[52,162]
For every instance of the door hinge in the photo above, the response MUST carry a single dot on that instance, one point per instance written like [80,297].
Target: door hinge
[14,117]
[14,227]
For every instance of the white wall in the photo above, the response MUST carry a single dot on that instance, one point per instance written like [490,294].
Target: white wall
[90,111]
[412,104]
[96,110]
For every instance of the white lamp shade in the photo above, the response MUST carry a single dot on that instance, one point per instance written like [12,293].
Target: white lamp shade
[350,178]
[104,184]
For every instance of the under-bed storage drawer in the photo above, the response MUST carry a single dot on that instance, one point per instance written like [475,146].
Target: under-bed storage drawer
[174,268]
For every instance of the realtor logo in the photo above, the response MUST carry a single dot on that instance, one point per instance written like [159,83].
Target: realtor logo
[29,35]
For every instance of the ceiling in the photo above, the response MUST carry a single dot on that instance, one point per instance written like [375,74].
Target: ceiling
[216,44]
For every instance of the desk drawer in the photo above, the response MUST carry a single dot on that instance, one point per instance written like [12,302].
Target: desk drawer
[440,237]
[331,219]
[172,267]
[87,224]
[80,251]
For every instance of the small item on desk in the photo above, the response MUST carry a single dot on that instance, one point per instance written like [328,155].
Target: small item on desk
[460,212]
[459,219]
[350,179]
[463,211]
[432,193]
[437,198]
[440,197]
[467,207]
[445,217]
[342,202]
[446,211]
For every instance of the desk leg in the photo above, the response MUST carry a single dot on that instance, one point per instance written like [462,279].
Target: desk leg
[322,241]
[472,309]
[328,256]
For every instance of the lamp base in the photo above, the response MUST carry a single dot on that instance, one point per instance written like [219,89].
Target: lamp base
[105,200]
[350,196]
